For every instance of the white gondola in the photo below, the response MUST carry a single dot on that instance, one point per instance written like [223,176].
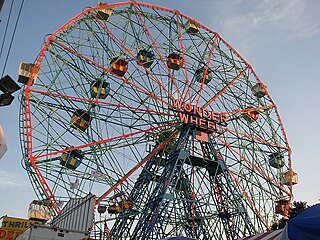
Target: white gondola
[259,90]
[25,72]
[285,178]
[192,27]
[105,13]
[39,211]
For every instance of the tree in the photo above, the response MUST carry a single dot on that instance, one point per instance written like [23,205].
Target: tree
[296,208]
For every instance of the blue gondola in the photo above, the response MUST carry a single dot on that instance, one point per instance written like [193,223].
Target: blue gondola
[276,160]
[145,58]
[71,159]
[199,74]
[100,89]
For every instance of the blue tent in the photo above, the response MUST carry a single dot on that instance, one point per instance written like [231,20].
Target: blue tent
[179,238]
[305,225]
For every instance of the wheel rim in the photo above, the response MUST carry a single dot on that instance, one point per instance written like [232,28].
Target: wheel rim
[140,108]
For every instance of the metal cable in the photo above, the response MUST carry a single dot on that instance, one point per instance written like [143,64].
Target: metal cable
[6,30]
[14,31]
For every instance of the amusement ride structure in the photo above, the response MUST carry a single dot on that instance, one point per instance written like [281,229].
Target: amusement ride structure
[161,119]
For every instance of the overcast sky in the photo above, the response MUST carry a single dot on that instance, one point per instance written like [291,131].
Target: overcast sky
[279,38]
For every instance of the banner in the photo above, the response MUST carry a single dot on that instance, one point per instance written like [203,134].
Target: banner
[9,234]
[12,227]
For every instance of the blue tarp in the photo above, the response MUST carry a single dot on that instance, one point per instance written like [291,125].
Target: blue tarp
[305,225]
[180,238]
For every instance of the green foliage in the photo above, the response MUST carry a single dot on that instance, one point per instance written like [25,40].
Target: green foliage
[163,136]
[280,224]
[296,208]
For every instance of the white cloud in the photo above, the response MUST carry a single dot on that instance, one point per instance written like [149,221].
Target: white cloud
[248,21]
[9,180]
[295,18]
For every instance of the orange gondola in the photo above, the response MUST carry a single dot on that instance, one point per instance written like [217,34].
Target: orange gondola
[174,61]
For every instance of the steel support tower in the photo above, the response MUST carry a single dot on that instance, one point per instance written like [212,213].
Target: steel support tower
[166,186]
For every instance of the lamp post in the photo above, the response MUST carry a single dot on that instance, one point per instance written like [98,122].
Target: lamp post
[1,4]
[7,86]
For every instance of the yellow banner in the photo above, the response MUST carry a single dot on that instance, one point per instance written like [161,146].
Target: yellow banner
[17,224]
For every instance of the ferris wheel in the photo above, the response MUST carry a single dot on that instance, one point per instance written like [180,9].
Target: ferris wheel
[161,119]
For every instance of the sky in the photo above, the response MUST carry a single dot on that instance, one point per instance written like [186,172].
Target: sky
[279,38]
